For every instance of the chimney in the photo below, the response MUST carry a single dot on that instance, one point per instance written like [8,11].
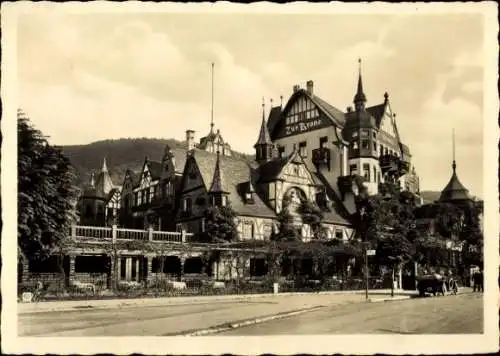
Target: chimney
[310,87]
[190,140]
[349,109]
[296,88]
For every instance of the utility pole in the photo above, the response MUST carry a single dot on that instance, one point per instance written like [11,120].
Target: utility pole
[366,271]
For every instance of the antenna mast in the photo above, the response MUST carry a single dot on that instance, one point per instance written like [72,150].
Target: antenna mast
[212,109]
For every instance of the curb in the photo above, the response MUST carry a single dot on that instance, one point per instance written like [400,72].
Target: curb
[247,322]
[395,298]
[41,307]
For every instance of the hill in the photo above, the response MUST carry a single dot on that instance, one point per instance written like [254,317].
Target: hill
[120,154]
[429,196]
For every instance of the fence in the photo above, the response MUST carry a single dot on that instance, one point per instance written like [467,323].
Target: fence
[99,286]
[116,233]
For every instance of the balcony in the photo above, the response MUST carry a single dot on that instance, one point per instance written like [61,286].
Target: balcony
[393,165]
[321,157]
[346,183]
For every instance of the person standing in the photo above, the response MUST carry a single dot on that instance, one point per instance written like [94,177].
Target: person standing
[476,277]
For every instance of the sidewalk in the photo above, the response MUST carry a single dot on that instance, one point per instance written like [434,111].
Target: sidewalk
[52,306]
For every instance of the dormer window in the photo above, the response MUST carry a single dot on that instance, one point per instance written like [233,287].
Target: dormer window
[303,149]
[281,151]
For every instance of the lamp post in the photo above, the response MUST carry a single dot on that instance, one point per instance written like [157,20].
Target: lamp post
[366,270]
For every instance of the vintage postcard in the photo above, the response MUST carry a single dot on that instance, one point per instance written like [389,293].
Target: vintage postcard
[213,178]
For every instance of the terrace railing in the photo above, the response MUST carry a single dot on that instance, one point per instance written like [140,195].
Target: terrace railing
[114,233]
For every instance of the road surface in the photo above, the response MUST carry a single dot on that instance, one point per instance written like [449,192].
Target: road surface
[439,315]
[340,314]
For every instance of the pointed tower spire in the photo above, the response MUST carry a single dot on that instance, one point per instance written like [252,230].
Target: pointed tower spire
[454,164]
[263,146]
[454,192]
[104,166]
[360,97]
[212,107]
[216,190]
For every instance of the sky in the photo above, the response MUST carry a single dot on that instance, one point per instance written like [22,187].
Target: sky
[88,77]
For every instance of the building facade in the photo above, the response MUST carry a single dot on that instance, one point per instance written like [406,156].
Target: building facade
[306,151]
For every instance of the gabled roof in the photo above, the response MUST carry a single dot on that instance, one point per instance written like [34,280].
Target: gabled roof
[235,172]
[335,115]
[154,168]
[131,176]
[377,112]
[271,169]
[179,155]
[112,193]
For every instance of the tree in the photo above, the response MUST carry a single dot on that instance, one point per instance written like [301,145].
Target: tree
[46,195]
[221,223]
[313,216]
[386,222]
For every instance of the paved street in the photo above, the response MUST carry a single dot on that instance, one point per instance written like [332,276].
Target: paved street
[342,313]
[160,320]
[441,315]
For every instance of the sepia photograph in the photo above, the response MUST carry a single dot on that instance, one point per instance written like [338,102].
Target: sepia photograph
[206,172]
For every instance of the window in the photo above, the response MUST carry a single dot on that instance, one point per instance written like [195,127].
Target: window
[365,133]
[365,144]
[268,229]
[202,225]
[338,234]
[248,230]
[323,141]
[187,205]
[375,146]
[303,149]
[355,145]
[381,150]
[139,199]
[366,171]
[353,169]
[178,227]
[374,135]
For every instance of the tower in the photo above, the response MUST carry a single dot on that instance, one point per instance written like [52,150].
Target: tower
[362,132]
[217,195]
[454,192]
[263,146]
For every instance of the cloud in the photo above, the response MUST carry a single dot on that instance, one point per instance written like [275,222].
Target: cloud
[88,77]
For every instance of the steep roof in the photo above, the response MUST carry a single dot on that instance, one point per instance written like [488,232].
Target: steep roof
[179,155]
[454,190]
[335,115]
[377,112]
[264,137]
[216,185]
[271,169]
[273,118]
[103,182]
[154,168]
[235,172]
